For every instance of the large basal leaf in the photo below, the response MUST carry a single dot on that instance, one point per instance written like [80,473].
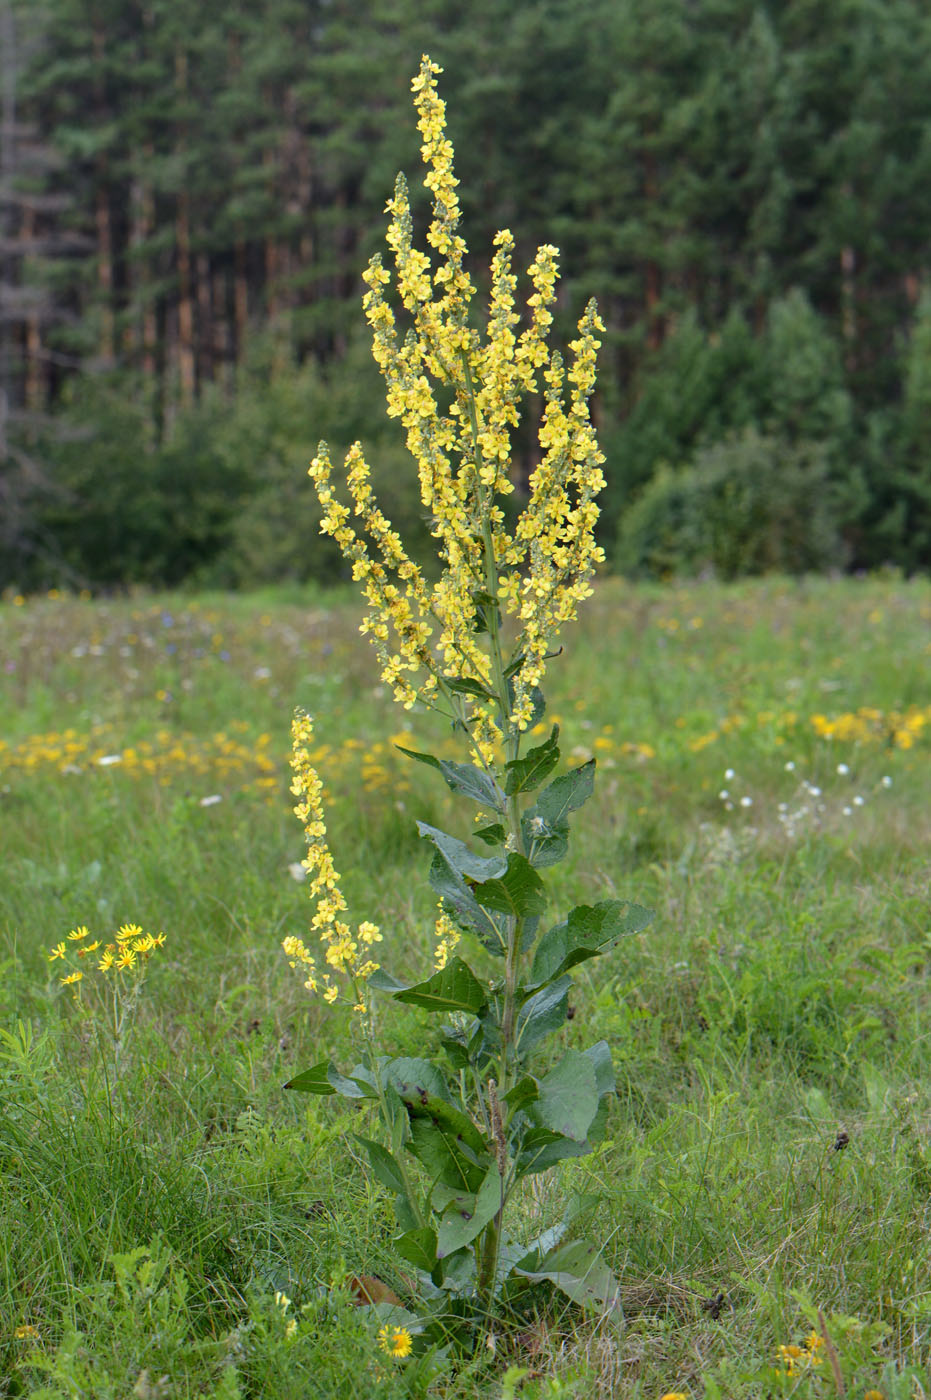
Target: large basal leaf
[588,931]
[464,778]
[446,1142]
[466,1217]
[568,1096]
[384,1165]
[418,1247]
[578,1270]
[542,1013]
[454,988]
[519,891]
[525,774]
[600,1056]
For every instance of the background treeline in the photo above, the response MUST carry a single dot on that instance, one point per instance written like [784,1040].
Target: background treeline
[188,194]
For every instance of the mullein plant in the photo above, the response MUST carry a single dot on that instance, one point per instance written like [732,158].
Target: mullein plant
[473,646]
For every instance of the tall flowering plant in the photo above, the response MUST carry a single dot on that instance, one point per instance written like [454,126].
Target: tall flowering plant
[473,646]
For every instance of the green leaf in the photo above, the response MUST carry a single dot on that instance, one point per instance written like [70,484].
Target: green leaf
[519,891]
[466,1217]
[494,835]
[566,794]
[525,774]
[459,858]
[313,1081]
[541,1148]
[454,988]
[446,1142]
[588,931]
[600,1056]
[462,685]
[383,981]
[325,1078]
[568,1096]
[542,1013]
[464,778]
[410,1077]
[524,1092]
[578,1270]
[545,826]
[418,1247]
[384,1165]
[453,864]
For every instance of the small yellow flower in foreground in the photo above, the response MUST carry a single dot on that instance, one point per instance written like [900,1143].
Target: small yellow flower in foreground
[674,1395]
[126,960]
[72,977]
[106,960]
[57,952]
[26,1330]
[396,1341]
[874,1395]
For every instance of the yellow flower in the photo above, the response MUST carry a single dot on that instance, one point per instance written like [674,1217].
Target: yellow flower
[78,933]
[874,1395]
[395,1341]
[458,395]
[106,959]
[126,932]
[72,977]
[89,948]
[674,1395]
[126,960]
[26,1330]
[57,952]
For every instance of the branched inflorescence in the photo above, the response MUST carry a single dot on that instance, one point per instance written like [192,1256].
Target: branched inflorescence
[458,396]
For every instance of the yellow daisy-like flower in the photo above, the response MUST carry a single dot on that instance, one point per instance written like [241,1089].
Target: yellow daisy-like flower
[26,1331]
[395,1341]
[78,933]
[58,951]
[89,948]
[674,1395]
[72,977]
[107,959]
[126,960]
[127,932]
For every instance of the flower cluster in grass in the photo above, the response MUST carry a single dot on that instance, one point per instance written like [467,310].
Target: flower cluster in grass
[457,397]
[128,952]
[793,1358]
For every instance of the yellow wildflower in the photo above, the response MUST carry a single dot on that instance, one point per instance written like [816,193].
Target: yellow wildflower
[57,952]
[106,958]
[26,1331]
[78,933]
[458,397]
[72,977]
[126,960]
[395,1341]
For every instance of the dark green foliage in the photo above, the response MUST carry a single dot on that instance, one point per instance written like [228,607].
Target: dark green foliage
[196,192]
[752,505]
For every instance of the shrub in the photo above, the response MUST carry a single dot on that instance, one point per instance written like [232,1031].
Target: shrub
[752,505]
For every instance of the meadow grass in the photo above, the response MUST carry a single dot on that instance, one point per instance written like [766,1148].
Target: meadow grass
[769,1153]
